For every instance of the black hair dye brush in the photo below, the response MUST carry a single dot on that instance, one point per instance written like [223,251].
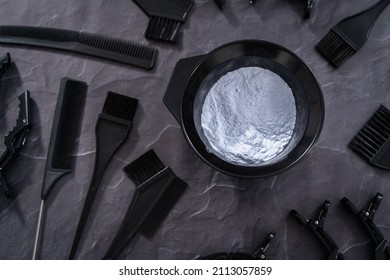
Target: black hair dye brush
[157,191]
[112,128]
[350,34]
[65,131]
[373,140]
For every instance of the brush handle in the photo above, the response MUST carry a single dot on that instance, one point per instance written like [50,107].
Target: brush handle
[356,29]
[80,42]
[110,134]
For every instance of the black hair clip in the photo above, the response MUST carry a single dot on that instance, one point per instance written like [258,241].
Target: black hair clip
[258,255]
[15,140]
[317,226]
[5,63]
[366,217]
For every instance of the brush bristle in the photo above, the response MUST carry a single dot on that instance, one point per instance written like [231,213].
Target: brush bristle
[120,106]
[144,168]
[335,49]
[373,135]
[162,208]
[163,29]
[220,3]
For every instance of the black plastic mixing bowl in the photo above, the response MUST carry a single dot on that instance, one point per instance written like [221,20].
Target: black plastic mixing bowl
[193,78]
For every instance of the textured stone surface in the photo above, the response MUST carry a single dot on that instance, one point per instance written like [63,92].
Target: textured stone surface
[218,212]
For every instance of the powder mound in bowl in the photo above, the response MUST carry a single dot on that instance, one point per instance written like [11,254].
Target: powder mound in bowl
[248,116]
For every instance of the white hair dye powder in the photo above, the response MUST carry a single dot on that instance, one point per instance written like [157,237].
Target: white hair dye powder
[248,116]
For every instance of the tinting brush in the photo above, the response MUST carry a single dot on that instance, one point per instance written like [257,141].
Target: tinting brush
[112,128]
[372,142]
[64,134]
[157,191]
[349,35]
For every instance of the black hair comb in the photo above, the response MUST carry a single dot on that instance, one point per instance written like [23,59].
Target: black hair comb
[5,63]
[15,140]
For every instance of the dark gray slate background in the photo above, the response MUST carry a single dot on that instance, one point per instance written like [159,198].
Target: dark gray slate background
[218,212]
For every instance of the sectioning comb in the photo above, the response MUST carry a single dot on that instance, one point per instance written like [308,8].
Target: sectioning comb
[15,140]
[372,142]
[5,63]
[112,128]
[64,134]
[80,42]
[157,191]
[349,35]
[317,227]
[366,217]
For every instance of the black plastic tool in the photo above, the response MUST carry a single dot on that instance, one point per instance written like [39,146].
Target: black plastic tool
[112,128]
[309,8]
[259,254]
[64,134]
[166,17]
[317,227]
[366,217]
[80,42]
[157,191]
[5,63]
[15,140]
[373,140]
[350,34]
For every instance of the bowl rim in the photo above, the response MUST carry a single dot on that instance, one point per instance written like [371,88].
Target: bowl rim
[264,49]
